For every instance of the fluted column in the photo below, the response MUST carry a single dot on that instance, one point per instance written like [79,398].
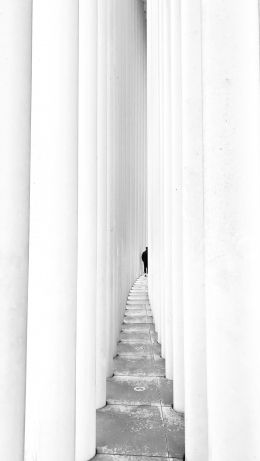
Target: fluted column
[154,161]
[162,158]
[50,399]
[150,100]
[111,179]
[87,234]
[196,424]
[178,342]
[102,314]
[232,222]
[168,192]
[15,97]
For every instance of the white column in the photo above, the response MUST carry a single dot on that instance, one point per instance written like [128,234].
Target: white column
[232,224]
[193,236]
[15,96]
[161,154]
[154,159]
[178,342]
[50,399]
[87,234]
[150,101]
[196,445]
[111,178]
[102,314]
[168,193]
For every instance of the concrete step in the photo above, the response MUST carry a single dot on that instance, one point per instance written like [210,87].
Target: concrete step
[133,327]
[133,312]
[136,306]
[138,296]
[143,430]
[130,458]
[136,311]
[136,302]
[132,390]
[138,349]
[135,430]
[139,366]
[136,337]
[138,319]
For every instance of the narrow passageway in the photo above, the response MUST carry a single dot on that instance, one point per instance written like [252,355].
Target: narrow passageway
[138,419]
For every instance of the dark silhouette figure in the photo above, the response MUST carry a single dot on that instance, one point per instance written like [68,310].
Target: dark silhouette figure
[145,260]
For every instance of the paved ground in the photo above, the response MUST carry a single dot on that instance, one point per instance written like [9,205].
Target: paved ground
[138,422]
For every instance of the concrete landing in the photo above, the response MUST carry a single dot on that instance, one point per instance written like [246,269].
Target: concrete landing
[138,422]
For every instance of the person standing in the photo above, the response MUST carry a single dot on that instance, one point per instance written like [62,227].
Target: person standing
[145,261]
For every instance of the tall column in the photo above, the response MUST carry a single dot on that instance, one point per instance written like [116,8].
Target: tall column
[102,314]
[111,178]
[150,101]
[168,193]
[161,154]
[15,97]
[232,224]
[196,424]
[178,342]
[87,234]
[50,399]
[154,156]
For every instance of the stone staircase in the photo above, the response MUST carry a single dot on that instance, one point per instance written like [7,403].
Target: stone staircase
[138,422]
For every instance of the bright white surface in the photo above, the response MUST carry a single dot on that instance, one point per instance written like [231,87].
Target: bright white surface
[87,234]
[15,95]
[177,273]
[162,160]
[50,406]
[196,423]
[232,226]
[168,193]
[102,309]
[154,184]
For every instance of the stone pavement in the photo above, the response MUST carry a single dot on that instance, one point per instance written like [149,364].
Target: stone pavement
[138,422]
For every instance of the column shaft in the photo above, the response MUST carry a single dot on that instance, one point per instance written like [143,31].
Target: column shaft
[87,234]
[153,126]
[232,223]
[50,391]
[161,153]
[150,100]
[15,110]
[196,424]
[111,179]
[168,193]
[178,343]
[102,310]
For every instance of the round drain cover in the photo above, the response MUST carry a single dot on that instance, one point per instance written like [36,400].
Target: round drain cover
[139,389]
